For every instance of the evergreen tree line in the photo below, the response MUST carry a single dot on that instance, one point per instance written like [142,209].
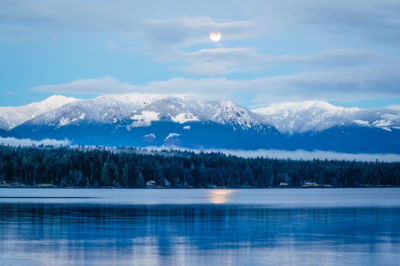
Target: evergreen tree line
[100,167]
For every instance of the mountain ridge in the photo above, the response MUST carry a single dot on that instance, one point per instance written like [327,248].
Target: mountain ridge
[183,120]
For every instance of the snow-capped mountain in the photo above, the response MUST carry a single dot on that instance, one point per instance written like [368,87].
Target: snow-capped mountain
[156,120]
[141,119]
[315,116]
[11,117]
[140,110]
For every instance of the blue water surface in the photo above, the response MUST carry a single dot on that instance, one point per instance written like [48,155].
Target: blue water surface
[200,227]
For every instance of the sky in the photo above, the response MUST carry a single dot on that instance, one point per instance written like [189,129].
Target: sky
[343,52]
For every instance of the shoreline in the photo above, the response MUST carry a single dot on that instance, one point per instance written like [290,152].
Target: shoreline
[194,188]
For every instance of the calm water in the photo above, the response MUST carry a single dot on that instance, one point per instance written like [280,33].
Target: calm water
[200,227]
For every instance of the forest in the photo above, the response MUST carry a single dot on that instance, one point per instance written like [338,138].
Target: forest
[133,168]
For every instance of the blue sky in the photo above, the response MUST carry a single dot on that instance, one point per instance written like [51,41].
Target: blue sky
[343,52]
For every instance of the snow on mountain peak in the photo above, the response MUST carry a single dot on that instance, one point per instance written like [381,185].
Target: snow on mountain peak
[144,119]
[133,99]
[314,106]
[228,112]
[184,118]
[171,135]
[293,117]
[299,117]
[57,100]
[11,117]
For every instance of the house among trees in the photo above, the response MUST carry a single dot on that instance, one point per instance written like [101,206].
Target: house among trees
[151,183]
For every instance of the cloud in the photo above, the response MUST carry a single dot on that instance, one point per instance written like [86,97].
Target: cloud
[88,86]
[366,20]
[336,84]
[112,46]
[29,142]
[219,61]
[61,18]
[372,20]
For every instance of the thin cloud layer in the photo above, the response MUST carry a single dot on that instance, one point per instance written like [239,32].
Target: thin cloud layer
[102,85]
[364,20]
[28,142]
[220,61]
[328,85]
[293,155]
[311,155]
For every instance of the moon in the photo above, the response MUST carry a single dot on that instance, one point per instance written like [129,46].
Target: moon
[215,36]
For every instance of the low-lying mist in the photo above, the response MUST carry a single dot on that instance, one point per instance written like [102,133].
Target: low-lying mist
[277,154]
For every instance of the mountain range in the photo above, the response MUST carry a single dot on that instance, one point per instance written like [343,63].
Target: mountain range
[161,120]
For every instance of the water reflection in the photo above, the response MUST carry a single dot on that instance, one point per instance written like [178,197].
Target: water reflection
[220,196]
[45,234]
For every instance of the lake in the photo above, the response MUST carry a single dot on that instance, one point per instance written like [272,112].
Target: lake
[200,227]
